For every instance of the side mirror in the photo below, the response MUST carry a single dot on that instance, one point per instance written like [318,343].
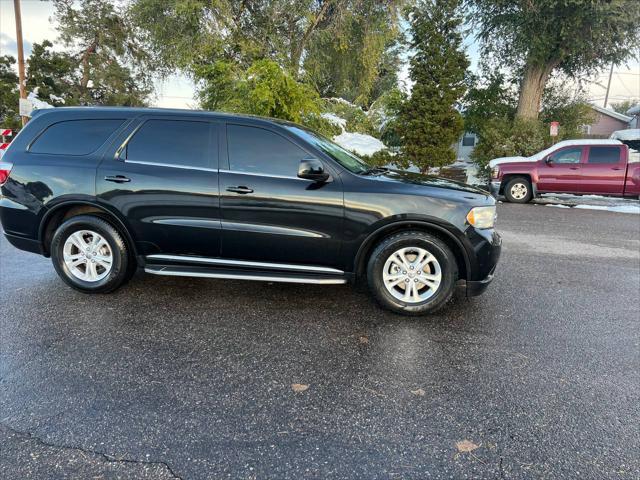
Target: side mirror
[548,160]
[312,169]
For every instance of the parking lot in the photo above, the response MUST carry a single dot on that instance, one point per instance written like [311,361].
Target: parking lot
[187,378]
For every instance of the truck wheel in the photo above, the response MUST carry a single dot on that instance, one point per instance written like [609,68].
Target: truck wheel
[412,273]
[518,190]
[90,255]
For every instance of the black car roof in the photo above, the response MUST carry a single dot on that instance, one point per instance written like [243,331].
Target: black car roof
[134,111]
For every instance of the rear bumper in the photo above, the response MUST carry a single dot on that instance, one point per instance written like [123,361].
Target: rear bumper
[26,244]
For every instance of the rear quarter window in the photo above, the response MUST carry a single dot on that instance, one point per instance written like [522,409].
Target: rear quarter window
[604,155]
[75,137]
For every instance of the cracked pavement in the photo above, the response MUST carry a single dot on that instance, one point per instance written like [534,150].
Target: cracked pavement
[190,378]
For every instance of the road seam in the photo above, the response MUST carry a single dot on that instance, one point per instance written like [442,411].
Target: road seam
[105,456]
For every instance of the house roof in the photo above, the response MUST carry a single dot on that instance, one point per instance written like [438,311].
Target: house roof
[611,113]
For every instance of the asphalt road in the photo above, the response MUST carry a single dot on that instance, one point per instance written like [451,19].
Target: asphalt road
[181,378]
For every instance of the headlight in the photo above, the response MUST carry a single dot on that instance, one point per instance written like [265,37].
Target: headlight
[482,217]
[495,172]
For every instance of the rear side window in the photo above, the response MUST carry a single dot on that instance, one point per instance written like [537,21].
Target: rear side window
[75,137]
[256,150]
[604,155]
[181,143]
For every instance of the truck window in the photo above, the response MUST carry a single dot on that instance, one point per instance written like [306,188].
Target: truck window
[604,155]
[75,137]
[567,155]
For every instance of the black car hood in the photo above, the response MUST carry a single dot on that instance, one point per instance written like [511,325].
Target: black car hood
[402,176]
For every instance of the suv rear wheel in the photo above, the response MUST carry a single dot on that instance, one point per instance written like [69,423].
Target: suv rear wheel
[90,255]
[412,273]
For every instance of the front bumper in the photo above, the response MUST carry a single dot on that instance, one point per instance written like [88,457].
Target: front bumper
[473,288]
[486,246]
[495,187]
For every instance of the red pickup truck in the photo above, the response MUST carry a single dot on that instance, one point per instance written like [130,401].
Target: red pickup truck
[582,167]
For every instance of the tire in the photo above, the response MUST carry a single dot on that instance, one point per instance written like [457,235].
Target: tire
[382,271]
[78,270]
[518,190]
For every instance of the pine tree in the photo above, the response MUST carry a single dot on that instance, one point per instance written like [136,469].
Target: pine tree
[9,95]
[430,123]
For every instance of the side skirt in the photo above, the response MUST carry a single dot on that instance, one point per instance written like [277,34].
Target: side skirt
[203,267]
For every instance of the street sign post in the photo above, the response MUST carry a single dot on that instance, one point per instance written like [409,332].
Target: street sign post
[25,107]
[553,129]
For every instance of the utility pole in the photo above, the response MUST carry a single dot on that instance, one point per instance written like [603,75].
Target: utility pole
[23,93]
[606,96]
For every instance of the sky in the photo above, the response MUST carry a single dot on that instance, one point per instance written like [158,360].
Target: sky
[178,91]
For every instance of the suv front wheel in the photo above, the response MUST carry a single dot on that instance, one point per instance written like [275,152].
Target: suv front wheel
[412,273]
[90,255]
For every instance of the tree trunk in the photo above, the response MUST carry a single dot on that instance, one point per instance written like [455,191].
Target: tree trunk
[533,82]
[296,53]
[85,66]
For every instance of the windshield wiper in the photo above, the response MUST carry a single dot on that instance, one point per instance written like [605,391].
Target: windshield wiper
[375,170]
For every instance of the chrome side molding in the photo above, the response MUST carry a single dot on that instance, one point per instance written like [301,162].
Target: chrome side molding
[244,263]
[232,276]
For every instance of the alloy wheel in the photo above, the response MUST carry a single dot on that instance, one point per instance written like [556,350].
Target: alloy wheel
[88,255]
[412,274]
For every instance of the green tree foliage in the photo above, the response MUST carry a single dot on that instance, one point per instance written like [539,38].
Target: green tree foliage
[569,36]
[429,119]
[356,57]
[490,112]
[623,106]
[9,94]
[216,41]
[504,137]
[265,89]
[107,52]
[273,92]
[385,113]
[487,98]
[356,118]
[188,33]
[53,74]
[560,104]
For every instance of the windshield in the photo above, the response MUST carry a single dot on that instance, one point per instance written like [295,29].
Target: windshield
[345,158]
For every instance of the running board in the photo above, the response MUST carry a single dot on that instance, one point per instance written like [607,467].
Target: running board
[204,272]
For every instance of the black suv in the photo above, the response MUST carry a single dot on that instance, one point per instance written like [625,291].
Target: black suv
[105,191]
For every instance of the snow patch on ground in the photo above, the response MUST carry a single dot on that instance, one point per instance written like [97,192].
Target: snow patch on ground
[359,142]
[614,208]
[589,202]
[335,119]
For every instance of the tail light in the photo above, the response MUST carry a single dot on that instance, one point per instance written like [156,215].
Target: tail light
[5,170]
